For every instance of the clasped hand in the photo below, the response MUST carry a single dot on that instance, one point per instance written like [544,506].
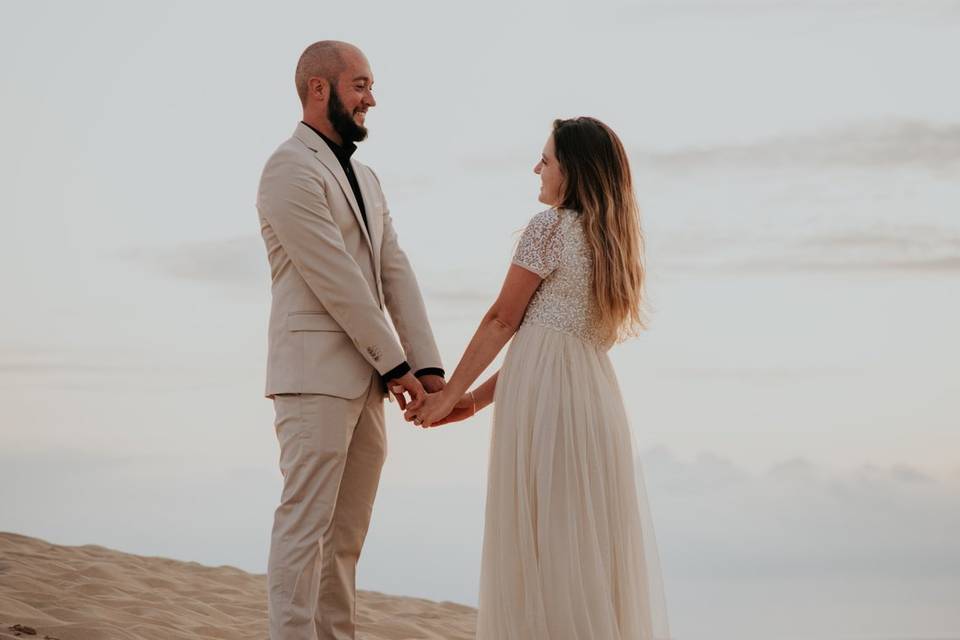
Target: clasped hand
[441,408]
[431,405]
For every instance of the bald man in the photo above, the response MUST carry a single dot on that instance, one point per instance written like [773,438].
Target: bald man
[336,267]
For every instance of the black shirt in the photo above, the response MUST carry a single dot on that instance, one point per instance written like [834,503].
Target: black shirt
[343,153]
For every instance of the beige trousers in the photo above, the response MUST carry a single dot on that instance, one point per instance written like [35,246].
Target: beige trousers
[331,453]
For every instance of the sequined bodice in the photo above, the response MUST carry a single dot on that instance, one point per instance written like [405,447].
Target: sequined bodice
[555,247]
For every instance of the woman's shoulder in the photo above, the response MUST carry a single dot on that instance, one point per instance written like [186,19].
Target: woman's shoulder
[544,226]
[543,218]
[551,219]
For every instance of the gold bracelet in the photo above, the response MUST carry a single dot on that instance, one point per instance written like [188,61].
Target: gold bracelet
[473,399]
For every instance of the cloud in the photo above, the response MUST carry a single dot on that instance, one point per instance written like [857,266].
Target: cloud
[760,373]
[902,143]
[837,9]
[800,518]
[235,261]
[24,361]
[762,266]
[95,368]
[928,249]
[25,367]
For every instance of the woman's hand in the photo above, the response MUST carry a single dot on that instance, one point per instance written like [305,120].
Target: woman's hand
[463,409]
[439,408]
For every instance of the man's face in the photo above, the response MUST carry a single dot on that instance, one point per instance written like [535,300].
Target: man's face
[350,97]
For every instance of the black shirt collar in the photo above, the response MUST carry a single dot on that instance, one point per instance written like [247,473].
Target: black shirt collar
[343,152]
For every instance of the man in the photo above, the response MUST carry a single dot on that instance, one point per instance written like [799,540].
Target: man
[335,265]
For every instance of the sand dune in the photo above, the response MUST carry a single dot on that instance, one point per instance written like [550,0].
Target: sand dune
[94,593]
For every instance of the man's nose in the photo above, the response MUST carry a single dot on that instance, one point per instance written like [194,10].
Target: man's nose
[371,101]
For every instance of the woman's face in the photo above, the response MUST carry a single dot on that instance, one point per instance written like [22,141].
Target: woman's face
[551,177]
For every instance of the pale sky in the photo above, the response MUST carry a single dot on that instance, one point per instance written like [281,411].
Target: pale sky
[795,402]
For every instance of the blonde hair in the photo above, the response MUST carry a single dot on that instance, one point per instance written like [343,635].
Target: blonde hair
[598,185]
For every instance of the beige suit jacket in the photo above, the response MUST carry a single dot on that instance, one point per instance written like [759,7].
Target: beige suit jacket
[332,279]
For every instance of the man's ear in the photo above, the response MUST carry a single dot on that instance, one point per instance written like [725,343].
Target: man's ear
[318,88]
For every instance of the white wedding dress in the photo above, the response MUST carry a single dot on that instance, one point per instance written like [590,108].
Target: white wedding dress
[569,551]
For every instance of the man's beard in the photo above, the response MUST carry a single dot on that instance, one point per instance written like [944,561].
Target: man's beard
[343,122]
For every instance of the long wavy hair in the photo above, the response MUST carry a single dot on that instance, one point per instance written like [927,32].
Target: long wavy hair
[598,185]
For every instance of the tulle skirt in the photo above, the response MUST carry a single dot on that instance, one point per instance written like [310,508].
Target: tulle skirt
[569,551]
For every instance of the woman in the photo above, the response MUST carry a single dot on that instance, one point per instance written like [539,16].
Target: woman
[568,550]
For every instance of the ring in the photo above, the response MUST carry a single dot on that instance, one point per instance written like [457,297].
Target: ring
[417,420]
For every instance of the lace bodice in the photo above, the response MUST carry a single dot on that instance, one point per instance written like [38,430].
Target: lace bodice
[555,247]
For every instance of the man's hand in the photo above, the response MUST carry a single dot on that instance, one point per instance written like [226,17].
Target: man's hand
[407,383]
[432,383]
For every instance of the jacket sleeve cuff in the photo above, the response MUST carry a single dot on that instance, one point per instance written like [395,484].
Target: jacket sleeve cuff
[398,371]
[431,371]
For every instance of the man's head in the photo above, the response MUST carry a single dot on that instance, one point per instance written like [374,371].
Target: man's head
[335,86]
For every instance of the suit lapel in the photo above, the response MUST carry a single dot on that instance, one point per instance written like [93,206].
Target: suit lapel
[322,152]
[325,155]
[374,216]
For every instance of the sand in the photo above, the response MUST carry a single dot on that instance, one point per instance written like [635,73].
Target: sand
[94,593]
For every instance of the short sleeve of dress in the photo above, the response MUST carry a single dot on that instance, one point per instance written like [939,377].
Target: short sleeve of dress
[540,245]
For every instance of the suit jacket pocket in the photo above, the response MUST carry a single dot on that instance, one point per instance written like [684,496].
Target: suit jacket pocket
[331,363]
